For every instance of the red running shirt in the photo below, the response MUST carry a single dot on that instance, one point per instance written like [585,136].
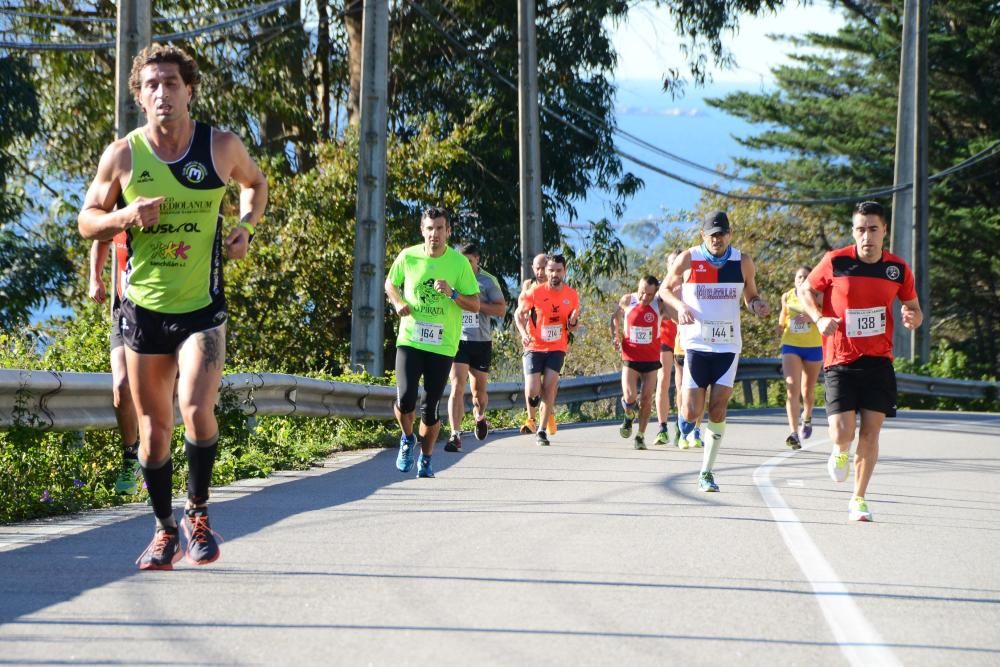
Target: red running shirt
[861,295]
[668,332]
[548,313]
[642,331]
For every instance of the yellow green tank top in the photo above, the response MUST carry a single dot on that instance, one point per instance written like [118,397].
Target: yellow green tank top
[799,329]
[176,266]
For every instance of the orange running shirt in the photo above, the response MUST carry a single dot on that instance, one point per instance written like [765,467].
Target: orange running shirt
[548,313]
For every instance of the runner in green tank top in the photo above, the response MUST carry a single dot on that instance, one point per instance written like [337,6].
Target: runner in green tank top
[163,185]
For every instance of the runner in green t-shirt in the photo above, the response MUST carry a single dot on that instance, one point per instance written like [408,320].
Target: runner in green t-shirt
[429,285]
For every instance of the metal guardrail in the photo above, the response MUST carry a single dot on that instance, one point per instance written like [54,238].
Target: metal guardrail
[82,401]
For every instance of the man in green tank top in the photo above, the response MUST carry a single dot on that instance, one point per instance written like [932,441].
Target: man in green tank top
[163,186]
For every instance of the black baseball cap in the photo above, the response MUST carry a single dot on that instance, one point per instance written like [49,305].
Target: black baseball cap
[715,222]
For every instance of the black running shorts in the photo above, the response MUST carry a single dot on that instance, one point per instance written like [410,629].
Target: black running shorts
[537,362]
[148,332]
[476,354]
[643,366]
[869,383]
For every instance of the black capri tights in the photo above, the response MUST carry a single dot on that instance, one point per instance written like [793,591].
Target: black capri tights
[411,363]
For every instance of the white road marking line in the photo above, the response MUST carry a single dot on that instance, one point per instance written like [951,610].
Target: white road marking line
[798,483]
[859,641]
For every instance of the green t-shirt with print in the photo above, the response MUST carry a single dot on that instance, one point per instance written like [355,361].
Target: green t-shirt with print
[435,320]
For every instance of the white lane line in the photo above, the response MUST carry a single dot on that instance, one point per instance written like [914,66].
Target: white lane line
[858,639]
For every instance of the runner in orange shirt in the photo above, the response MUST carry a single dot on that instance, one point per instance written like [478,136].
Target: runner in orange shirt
[544,317]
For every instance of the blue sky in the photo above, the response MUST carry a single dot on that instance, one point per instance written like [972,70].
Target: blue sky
[647,47]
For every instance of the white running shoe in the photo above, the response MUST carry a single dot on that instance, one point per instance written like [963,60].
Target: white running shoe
[858,510]
[837,466]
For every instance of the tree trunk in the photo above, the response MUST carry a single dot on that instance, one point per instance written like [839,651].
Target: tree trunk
[353,21]
[323,62]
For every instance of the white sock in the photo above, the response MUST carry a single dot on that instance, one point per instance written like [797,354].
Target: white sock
[712,444]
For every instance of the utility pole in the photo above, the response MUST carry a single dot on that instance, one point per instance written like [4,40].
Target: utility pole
[367,297]
[910,207]
[530,160]
[921,209]
[133,34]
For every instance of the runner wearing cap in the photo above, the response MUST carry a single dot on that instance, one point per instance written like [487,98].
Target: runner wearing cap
[705,286]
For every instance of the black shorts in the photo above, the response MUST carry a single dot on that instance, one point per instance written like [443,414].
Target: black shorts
[868,383]
[148,332]
[116,323]
[642,366]
[476,354]
[666,348]
[537,362]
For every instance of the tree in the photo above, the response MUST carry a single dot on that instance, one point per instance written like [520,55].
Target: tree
[834,114]
[30,266]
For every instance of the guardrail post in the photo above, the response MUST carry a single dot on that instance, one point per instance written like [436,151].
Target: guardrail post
[762,391]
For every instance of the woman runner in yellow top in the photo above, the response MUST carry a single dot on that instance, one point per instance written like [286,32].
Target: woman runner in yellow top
[801,360]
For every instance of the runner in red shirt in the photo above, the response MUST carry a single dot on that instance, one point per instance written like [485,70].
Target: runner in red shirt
[858,285]
[129,474]
[545,316]
[668,335]
[635,332]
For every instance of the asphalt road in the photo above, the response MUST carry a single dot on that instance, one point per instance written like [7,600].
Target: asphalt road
[586,552]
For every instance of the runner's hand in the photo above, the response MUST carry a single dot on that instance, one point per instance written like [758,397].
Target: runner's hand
[97,291]
[685,315]
[911,317]
[526,341]
[237,243]
[827,325]
[443,287]
[573,319]
[617,342]
[143,212]
[760,307]
[403,310]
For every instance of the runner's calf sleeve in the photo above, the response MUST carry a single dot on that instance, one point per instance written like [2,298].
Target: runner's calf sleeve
[685,426]
[535,401]
[159,482]
[201,459]
[712,445]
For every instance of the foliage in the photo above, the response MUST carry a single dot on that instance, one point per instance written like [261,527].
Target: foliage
[833,120]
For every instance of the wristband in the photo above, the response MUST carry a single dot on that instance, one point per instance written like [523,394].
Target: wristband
[250,228]
[454,294]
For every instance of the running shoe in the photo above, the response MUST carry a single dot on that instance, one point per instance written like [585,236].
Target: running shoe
[162,552]
[528,426]
[454,443]
[837,466]
[202,547]
[625,430]
[424,468]
[640,441]
[683,441]
[127,482]
[553,427]
[404,460]
[793,441]
[482,429]
[806,430]
[858,510]
[694,438]
[629,409]
[707,483]
[663,437]
[541,439]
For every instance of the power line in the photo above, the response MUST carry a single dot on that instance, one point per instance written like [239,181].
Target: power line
[248,13]
[985,154]
[75,18]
